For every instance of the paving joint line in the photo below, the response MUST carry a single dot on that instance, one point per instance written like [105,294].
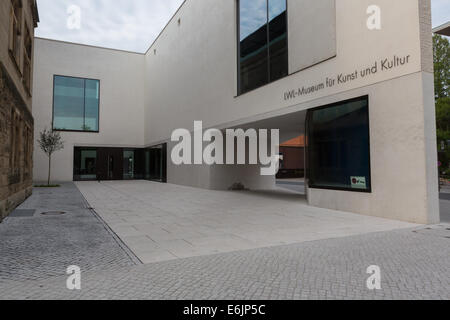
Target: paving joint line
[134,258]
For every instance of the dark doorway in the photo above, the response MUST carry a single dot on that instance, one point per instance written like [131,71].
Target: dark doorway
[85,164]
[120,164]
[156,163]
[110,164]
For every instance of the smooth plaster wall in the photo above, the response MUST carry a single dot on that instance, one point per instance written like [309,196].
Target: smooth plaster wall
[121,99]
[312,32]
[217,177]
[191,70]
[193,74]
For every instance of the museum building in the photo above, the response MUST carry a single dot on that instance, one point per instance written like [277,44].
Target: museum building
[360,94]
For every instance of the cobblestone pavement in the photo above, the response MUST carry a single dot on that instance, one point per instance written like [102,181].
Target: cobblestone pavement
[35,252]
[415,264]
[39,247]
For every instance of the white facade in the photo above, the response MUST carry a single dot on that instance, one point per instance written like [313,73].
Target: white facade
[121,76]
[190,73]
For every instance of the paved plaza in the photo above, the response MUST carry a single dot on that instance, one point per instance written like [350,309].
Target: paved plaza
[161,222]
[35,250]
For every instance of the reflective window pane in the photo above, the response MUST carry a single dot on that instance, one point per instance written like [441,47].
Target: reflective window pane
[91,105]
[253,44]
[85,164]
[278,50]
[68,113]
[262,42]
[128,164]
[338,146]
[75,104]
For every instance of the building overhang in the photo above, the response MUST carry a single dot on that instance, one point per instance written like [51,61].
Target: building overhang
[443,30]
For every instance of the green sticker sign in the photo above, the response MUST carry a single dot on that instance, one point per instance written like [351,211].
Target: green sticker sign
[358,182]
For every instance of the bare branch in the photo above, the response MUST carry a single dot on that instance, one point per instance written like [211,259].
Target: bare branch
[50,141]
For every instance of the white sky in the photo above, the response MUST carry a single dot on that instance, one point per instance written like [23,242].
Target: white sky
[131,24]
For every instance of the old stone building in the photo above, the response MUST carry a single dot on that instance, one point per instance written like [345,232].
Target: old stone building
[18,19]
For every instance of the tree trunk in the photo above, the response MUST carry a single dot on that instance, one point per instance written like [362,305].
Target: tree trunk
[49,167]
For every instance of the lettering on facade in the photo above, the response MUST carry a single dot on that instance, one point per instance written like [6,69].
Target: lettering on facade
[382,65]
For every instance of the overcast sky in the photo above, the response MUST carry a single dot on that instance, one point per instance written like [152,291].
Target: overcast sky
[131,24]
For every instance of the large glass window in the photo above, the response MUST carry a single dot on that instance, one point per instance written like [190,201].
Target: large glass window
[76,104]
[85,164]
[263,54]
[128,164]
[338,146]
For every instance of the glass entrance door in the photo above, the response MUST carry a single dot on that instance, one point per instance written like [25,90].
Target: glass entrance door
[120,164]
[85,164]
[110,164]
[129,163]
[156,163]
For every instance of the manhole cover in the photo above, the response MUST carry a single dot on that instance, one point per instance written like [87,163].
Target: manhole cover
[53,213]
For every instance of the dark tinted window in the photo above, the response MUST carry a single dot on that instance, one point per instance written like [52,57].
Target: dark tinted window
[278,49]
[75,104]
[156,163]
[85,164]
[338,146]
[262,42]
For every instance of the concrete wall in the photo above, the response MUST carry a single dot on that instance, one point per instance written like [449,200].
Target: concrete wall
[192,76]
[121,99]
[312,32]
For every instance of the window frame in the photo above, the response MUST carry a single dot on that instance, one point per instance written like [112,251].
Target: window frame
[308,159]
[27,60]
[238,48]
[15,34]
[53,105]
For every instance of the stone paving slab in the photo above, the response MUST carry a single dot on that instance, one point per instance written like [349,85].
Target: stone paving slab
[414,263]
[38,247]
[163,221]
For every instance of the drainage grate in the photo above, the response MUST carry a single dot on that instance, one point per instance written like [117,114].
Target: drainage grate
[53,213]
[21,213]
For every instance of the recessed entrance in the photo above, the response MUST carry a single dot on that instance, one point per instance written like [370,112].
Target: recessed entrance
[156,163]
[109,164]
[120,163]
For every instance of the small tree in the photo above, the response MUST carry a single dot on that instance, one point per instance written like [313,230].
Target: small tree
[441,51]
[50,142]
[442,93]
